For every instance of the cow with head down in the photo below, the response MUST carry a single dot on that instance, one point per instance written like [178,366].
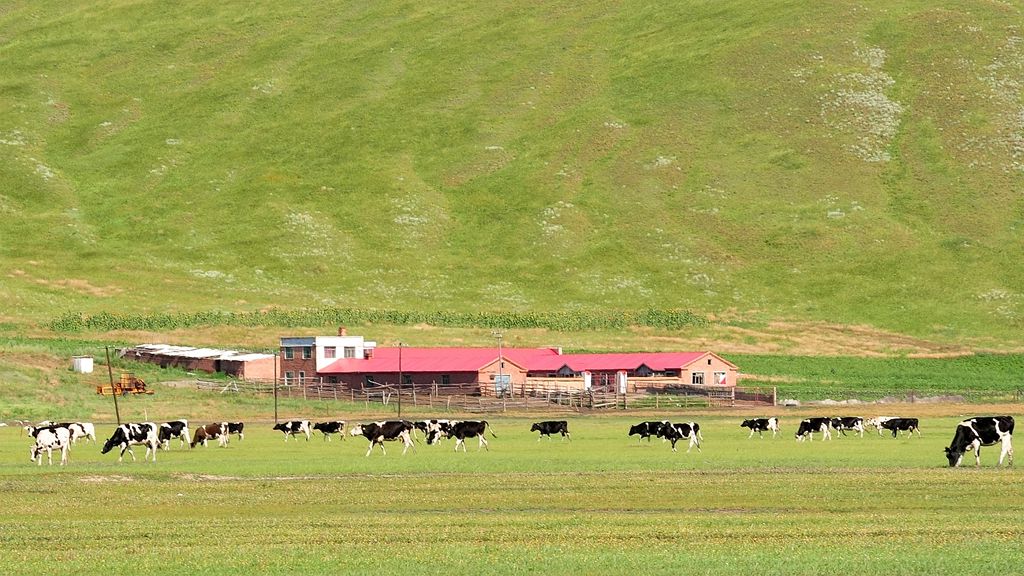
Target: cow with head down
[127,435]
[216,431]
[973,433]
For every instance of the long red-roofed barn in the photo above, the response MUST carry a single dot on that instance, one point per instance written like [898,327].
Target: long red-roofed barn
[494,371]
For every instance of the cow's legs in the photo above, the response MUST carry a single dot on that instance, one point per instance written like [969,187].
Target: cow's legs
[1007,450]
[371,448]
[483,442]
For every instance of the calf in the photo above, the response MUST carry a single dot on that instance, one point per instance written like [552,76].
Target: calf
[681,431]
[549,427]
[844,423]
[379,432]
[293,427]
[216,431]
[174,429]
[237,428]
[897,425]
[646,429]
[126,435]
[760,425]
[331,427]
[808,426]
[48,439]
[469,429]
[974,433]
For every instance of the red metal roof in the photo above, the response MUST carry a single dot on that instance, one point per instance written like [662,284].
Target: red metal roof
[385,360]
[436,359]
[656,361]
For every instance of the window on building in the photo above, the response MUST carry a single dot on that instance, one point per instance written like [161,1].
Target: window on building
[698,378]
[720,378]
[307,352]
[289,353]
[288,377]
[446,379]
[330,351]
[407,379]
[350,351]
[368,379]
[302,378]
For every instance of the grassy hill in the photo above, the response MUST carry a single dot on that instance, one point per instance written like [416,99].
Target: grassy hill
[855,163]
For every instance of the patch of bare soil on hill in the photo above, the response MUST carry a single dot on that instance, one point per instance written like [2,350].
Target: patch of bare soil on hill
[821,339]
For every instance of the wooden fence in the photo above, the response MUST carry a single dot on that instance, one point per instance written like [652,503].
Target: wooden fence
[470,398]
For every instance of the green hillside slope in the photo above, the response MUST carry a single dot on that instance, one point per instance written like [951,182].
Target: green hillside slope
[851,162]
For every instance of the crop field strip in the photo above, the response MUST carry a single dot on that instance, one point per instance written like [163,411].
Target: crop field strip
[603,503]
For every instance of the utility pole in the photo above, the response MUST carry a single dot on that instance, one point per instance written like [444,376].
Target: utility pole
[113,391]
[501,364]
[275,389]
[399,379]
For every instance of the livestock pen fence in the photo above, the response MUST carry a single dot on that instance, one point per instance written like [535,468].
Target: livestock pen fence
[535,394]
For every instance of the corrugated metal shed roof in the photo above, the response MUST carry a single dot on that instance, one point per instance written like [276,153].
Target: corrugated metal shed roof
[190,352]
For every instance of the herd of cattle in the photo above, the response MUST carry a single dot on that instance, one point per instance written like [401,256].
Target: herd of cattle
[970,434]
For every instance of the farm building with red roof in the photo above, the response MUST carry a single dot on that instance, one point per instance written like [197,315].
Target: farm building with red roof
[494,369]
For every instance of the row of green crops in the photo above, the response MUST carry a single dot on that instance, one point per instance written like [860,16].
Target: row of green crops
[977,377]
[565,321]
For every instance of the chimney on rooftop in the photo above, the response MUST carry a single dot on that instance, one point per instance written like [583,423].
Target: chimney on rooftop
[342,331]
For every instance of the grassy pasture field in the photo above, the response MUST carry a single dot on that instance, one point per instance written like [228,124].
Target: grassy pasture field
[603,503]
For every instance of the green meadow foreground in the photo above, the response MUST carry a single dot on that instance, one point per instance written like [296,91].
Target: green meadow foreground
[603,503]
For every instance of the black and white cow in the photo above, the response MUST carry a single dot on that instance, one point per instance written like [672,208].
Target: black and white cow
[761,425]
[808,426]
[127,435]
[974,433]
[237,428]
[433,430]
[216,431]
[49,439]
[174,429]
[549,427]
[331,427]
[877,422]
[897,425]
[844,423]
[646,429]
[462,429]
[681,431]
[379,432]
[293,427]
[80,430]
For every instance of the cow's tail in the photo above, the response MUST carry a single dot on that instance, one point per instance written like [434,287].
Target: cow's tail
[490,429]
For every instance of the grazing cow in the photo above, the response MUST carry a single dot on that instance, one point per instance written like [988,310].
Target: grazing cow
[433,430]
[379,432]
[808,426]
[844,423]
[760,425]
[897,425]
[174,429]
[293,427]
[974,433]
[48,439]
[646,429]
[126,435]
[877,422]
[681,431]
[331,427]
[549,427]
[82,430]
[469,429]
[237,428]
[216,431]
